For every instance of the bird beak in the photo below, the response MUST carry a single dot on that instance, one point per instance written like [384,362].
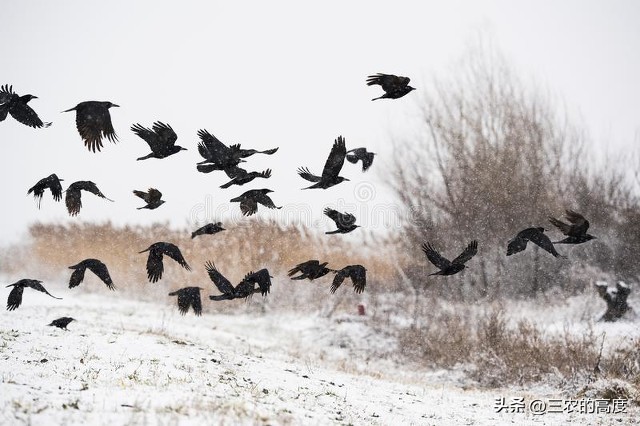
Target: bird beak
[183,149]
[34,97]
[114,105]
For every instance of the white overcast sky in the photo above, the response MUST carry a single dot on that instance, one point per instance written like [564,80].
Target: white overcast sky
[270,73]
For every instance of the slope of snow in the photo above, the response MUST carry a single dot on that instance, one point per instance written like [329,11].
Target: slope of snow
[131,362]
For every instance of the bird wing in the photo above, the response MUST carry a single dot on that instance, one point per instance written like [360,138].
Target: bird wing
[304,267]
[15,298]
[467,253]
[580,224]
[73,200]
[335,160]
[196,302]
[211,148]
[55,187]
[91,187]
[262,278]
[541,240]
[183,301]
[342,220]
[358,276]
[6,94]
[150,137]
[155,267]
[77,276]
[516,245]
[234,172]
[266,201]
[245,289]
[435,257]
[166,134]
[154,195]
[220,281]
[307,175]
[173,252]
[26,115]
[355,155]
[94,122]
[389,82]
[248,206]
[39,287]
[101,271]
[338,279]
[142,195]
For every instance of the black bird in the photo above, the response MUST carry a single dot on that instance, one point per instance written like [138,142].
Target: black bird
[240,176]
[15,297]
[244,153]
[331,169]
[358,275]
[161,138]
[61,322]
[250,199]
[576,232]
[11,103]
[361,154]
[52,182]
[344,222]
[209,228]
[189,296]
[394,86]
[94,123]
[152,197]
[311,269]
[215,152]
[450,267]
[245,289]
[95,266]
[154,262]
[536,236]
[73,198]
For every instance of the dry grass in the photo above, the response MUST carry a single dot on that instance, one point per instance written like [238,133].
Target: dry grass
[500,355]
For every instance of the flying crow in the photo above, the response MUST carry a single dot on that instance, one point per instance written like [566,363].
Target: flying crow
[15,296]
[94,123]
[394,86]
[310,269]
[450,267]
[536,236]
[209,228]
[73,198]
[154,262]
[189,296]
[95,266]
[331,169]
[161,139]
[152,198]
[358,275]
[576,231]
[250,199]
[52,182]
[361,154]
[16,106]
[344,222]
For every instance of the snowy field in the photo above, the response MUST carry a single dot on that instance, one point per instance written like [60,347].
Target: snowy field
[132,362]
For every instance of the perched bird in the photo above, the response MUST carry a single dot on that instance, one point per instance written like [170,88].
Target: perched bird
[358,275]
[209,228]
[94,123]
[61,322]
[215,152]
[152,197]
[394,86]
[576,232]
[95,266]
[73,198]
[244,153]
[154,262]
[245,289]
[344,222]
[331,169]
[361,154]
[311,269]
[240,176]
[450,267]
[11,103]
[189,296]
[52,182]
[161,139]
[15,296]
[250,199]
[536,236]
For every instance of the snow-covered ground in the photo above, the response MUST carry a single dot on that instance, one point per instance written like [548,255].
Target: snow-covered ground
[132,362]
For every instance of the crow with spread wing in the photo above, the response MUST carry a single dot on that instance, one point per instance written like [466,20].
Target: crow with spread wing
[450,267]
[536,236]
[161,138]
[94,123]
[394,86]
[333,165]
[575,230]
[52,182]
[73,199]
[95,266]
[15,296]
[155,267]
[16,106]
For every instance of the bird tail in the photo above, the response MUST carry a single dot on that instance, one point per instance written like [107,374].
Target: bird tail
[139,208]
[221,297]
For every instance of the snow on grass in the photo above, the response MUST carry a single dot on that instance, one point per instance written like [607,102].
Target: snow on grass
[132,362]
